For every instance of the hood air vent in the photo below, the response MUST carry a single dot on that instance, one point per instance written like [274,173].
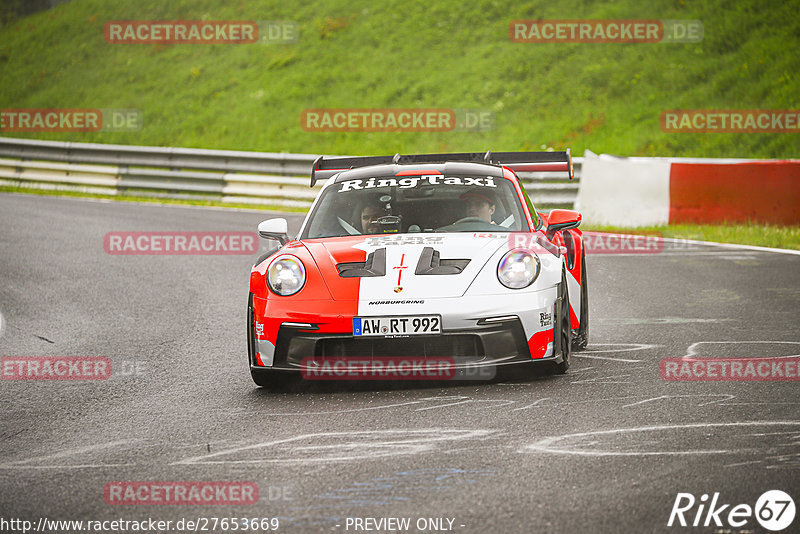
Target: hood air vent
[374,266]
[430,263]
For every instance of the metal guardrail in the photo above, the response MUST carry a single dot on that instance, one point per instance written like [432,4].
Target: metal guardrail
[225,175]
[146,156]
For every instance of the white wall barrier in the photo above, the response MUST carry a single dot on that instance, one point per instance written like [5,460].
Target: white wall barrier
[625,192]
[635,192]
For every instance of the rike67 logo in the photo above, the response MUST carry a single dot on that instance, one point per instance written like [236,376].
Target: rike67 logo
[774,511]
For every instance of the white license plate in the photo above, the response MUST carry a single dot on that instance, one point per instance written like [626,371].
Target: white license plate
[406,325]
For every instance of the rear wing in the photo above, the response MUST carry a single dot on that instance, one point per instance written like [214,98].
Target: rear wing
[324,168]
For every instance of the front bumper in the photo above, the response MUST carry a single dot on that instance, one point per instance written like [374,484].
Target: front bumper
[468,338]
[499,342]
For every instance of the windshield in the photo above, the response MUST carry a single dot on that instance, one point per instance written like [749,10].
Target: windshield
[411,204]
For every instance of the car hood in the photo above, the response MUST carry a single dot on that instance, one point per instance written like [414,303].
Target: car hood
[407,266]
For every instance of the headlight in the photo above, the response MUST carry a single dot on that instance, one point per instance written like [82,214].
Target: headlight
[518,269]
[286,275]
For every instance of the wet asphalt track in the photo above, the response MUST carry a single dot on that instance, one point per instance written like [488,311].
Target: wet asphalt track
[562,454]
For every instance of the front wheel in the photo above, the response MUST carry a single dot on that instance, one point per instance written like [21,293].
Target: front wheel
[580,337]
[565,328]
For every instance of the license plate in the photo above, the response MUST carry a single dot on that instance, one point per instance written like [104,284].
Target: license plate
[397,326]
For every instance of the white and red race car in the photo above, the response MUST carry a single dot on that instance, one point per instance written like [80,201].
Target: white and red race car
[433,256]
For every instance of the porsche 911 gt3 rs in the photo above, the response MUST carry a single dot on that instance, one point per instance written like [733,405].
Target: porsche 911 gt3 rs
[428,256]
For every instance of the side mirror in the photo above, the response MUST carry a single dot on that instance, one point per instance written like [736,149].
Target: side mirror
[563,220]
[274,229]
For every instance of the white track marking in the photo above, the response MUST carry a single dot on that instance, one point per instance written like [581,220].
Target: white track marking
[76,466]
[659,320]
[677,250]
[692,349]
[623,360]
[531,405]
[724,254]
[459,400]
[65,454]
[591,353]
[629,347]
[719,401]
[664,397]
[645,401]
[794,433]
[589,401]
[751,462]
[407,442]
[549,444]
[597,380]
[732,246]
[760,403]
[502,402]
[352,410]
[507,402]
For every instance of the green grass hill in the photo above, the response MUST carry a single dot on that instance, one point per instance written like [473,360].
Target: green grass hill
[606,97]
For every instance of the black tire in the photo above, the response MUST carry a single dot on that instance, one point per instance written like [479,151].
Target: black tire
[580,336]
[565,328]
[250,334]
